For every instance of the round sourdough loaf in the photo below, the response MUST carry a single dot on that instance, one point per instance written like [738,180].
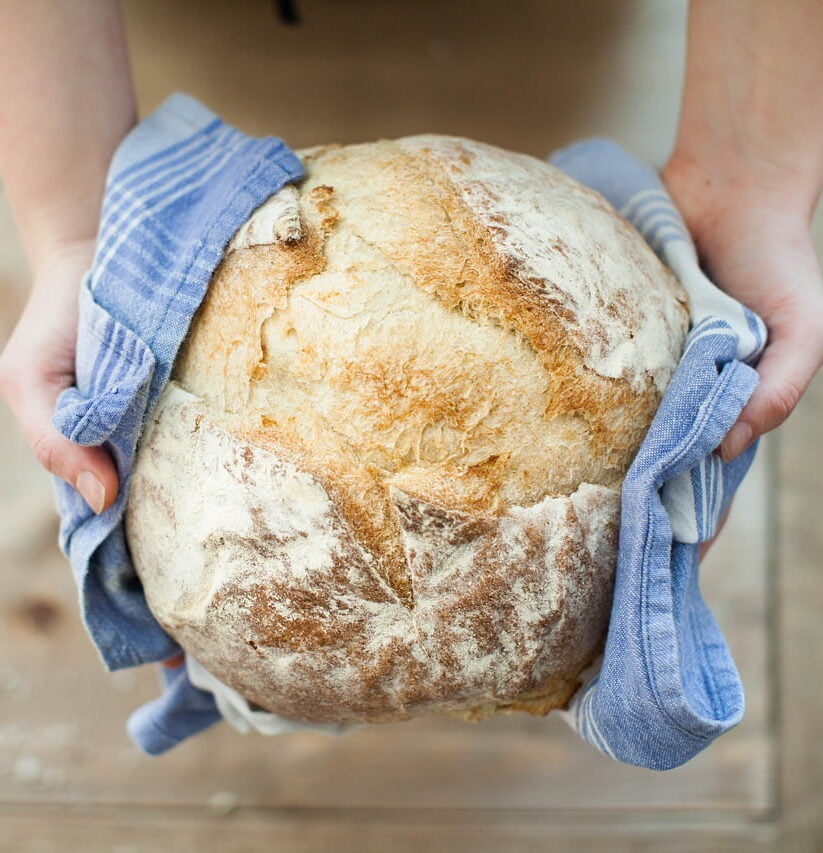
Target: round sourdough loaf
[383,480]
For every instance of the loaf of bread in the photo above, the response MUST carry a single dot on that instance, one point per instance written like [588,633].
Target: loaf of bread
[384,479]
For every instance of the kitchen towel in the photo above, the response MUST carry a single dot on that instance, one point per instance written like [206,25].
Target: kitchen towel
[667,685]
[179,186]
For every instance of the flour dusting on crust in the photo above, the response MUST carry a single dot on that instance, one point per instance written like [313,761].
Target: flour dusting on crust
[309,629]
[384,479]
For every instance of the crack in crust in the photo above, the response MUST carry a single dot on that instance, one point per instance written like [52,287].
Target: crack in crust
[439,553]
[508,610]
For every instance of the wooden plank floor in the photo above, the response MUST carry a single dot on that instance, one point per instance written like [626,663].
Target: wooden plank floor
[531,78]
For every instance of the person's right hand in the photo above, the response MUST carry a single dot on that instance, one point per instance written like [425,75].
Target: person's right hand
[38,363]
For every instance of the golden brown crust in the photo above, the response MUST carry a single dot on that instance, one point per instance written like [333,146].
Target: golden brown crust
[531,603]
[507,609]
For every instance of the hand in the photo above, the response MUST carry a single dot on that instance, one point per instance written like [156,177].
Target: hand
[38,363]
[754,242]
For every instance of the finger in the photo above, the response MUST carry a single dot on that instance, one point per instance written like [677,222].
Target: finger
[786,369]
[90,470]
[171,663]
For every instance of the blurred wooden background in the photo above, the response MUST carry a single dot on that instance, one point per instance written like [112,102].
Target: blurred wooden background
[530,76]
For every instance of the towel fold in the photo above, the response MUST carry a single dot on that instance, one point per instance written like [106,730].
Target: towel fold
[667,685]
[179,186]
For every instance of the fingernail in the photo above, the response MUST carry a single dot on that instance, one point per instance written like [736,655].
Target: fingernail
[92,490]
[738,439]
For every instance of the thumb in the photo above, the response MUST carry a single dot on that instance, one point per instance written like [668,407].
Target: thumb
[786,368]
[90,470]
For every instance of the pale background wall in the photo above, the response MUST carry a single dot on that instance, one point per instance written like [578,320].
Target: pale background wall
[530,76]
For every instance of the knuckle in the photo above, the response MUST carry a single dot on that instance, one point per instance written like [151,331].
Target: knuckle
[46,450]
[783,400]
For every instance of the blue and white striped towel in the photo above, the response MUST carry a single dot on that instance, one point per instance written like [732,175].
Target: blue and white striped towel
[667,686]
[180,185]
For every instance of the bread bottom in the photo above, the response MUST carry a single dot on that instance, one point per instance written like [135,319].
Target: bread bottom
[556,696]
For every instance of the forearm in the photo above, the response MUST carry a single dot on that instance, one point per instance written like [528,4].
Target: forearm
[751,113]
[746,173]
[66,101]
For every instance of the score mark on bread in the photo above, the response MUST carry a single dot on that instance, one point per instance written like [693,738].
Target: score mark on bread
[420,376]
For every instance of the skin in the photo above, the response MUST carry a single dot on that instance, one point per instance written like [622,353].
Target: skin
[746,172]
[65,103]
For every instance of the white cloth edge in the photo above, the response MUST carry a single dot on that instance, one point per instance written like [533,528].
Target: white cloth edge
[236,710]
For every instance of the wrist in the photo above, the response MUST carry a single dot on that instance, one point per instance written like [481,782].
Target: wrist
[63,226]
[707,192]
[61,261]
